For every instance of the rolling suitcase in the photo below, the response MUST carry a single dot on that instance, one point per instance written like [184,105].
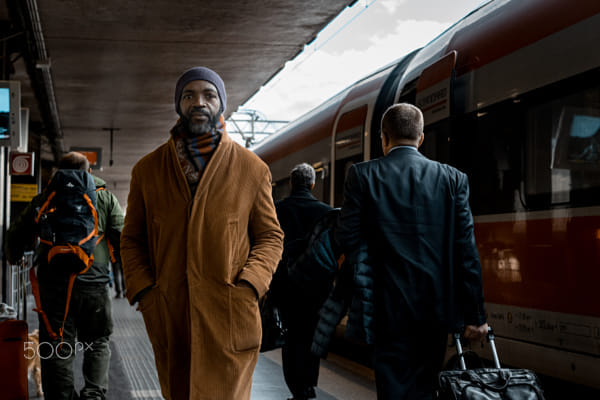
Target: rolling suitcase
[488,383]
[13,363]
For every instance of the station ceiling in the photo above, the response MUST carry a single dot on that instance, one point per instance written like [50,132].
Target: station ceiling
[87,66]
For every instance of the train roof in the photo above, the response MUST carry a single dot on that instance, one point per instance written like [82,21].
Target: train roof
[493,30]
[338,97]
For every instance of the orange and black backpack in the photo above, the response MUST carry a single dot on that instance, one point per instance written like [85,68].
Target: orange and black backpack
[67,224]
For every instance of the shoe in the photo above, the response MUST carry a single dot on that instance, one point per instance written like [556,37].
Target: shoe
[119,296]
[308,394]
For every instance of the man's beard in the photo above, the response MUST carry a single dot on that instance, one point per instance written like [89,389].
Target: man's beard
[198,129]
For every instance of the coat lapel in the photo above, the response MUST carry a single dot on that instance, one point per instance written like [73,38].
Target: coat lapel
[180,179]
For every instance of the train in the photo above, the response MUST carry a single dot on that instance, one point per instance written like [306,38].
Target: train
[511,96]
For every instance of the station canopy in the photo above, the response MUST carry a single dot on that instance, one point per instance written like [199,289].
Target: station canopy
[100,75]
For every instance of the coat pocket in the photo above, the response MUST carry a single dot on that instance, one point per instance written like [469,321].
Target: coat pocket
[244,319]
[151,309]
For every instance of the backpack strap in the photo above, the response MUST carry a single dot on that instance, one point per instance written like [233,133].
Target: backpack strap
[38,302]
[100,239]
[70,249]
[33,278]
[95,214]
[111,251]
[44,206]
[69,291]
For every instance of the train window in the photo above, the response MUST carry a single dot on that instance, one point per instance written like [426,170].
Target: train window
[342,166]
[435,144]
[489,146]
[385,99]
[409,92]
[563,158]
[321,189]
[349,148]
[341,172]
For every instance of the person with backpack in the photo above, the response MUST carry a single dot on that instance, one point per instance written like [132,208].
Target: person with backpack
[295,293]
[76,318]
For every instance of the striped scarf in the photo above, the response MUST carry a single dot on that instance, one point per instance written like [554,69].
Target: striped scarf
[195,152]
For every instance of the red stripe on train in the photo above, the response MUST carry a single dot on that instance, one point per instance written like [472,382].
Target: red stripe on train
[495,36]
[547,264]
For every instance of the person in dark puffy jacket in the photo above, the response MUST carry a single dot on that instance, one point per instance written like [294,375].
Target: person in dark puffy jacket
[298,213]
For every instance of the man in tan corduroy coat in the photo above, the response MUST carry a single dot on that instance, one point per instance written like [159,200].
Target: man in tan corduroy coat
[199,247]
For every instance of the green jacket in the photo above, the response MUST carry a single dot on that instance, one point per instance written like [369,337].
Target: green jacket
[21,236]
[110,225]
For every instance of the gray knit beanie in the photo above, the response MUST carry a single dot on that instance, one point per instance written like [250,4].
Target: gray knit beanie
[200,74]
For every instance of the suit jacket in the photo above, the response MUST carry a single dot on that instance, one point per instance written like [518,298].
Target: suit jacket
[413,215]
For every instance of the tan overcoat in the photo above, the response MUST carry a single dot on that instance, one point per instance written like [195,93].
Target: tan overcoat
[205,330]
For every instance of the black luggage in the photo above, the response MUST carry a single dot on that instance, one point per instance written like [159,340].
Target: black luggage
[273,331]
[488,383]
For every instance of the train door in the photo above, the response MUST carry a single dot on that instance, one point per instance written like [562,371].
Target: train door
[432,93]
[384,100]
[434,89]
[348,149]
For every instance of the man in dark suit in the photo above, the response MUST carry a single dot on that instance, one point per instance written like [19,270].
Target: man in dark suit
[413,215]
[297,216]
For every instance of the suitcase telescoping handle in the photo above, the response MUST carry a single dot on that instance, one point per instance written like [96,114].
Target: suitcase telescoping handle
[461,354]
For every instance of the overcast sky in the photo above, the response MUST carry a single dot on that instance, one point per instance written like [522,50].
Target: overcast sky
[362,39]
[359,41]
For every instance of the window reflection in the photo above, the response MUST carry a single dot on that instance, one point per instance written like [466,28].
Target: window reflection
[564,153]
[508,267]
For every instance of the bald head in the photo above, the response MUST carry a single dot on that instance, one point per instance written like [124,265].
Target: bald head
[74,160]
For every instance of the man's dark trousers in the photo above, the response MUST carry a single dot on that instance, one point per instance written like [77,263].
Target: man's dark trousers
[117,269]
[406,366]
[301,369]
[87,328]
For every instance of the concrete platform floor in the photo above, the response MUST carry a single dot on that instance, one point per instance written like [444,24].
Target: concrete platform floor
[133,374]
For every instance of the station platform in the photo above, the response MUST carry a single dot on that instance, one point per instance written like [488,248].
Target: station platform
[133,373]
